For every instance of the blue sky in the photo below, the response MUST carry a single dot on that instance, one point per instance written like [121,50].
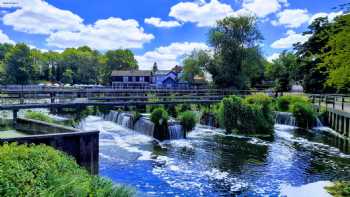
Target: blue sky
[155,30]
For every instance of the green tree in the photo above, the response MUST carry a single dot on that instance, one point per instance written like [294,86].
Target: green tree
[19,63]
[194,65]
[67,76]
[336,57]
[232,39]
[283,71]
[121,59]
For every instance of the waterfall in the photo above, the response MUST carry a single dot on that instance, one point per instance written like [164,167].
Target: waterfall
[285,118]
[319,123]
[175,131]
[144,126]
[112,116]
[121,118]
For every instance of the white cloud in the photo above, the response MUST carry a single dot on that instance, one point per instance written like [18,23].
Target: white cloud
[105,34]
[5,39]
[262,8]
[330,16]
[203,14]
[292,18]
[39,17]
[272,57]
[289,40]
[157,22]
[168,56]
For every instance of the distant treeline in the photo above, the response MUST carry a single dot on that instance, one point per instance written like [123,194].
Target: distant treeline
[21,65]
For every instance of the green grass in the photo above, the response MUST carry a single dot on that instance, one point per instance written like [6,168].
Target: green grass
[35,115]
[339,189]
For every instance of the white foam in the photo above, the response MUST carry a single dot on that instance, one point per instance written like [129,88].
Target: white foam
[316,189]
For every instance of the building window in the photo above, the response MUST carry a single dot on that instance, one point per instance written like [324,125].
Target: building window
[142,79]
[125,79]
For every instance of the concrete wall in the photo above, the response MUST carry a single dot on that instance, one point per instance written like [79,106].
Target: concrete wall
[35,127]
[83,146]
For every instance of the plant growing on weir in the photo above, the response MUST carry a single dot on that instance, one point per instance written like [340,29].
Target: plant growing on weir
[35,115]
[252,115]
[188,120]
[43,171]
[159,117]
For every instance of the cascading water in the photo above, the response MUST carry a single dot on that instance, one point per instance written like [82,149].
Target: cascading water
[112,116]
[285,118]
[121,118]
[144,126]
[175,131]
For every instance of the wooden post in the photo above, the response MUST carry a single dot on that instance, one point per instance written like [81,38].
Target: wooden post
[14,117]
[342,103]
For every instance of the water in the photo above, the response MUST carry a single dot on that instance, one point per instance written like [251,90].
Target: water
[175,131]
[210,163]
[285,118]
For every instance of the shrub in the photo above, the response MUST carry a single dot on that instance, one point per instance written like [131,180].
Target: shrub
[188,120]
[304,114]
[339,189]
[160,119]
[136,116]
[35,115]
[252,115]
[43,171]
[285,103]
[182,108]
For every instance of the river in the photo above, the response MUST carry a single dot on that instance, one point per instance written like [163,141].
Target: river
[211,163]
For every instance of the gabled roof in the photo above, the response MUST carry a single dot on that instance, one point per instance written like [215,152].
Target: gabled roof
[132,73]
[164,72]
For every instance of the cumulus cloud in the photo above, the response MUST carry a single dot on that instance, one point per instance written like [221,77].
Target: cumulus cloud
[157,22]
[262,8]
[292,18]
[290,39]
[330,16]
[5,39]
[272,57]
[201,13]
[105,34]
[39,17]
[168,56]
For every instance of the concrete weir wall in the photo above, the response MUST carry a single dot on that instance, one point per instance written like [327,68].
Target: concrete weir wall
[83,146]
[339,121]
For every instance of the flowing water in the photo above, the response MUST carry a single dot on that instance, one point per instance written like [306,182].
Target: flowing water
[210,163]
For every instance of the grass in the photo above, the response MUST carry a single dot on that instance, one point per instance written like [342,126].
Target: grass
[339,189]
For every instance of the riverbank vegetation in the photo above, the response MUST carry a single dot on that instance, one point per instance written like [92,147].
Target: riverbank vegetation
[160,117]
[43,171]
[339,189]
[301,108]
[252,115]
[188,120]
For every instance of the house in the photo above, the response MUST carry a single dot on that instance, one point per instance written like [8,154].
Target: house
[131,78]
[165,79]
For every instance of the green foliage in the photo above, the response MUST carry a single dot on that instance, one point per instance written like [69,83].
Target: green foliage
[304,114]
[194,65]
[43,171]
[136,116]
[159,116]
[182,108]
[233,39]
[250,116]
[339,189]
[18,63]
[35,115]
[283,71]
[160,119]
[188,120]
[285,103]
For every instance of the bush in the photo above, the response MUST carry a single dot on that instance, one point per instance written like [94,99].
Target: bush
[188,120]
[35,115]
[339,189]
[160,119]
[285,103]
[252,115]
[43,171]
[304,114]
[136,116]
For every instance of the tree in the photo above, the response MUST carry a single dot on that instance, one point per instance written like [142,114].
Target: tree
[283,71]
[121,59]
[18,63]
[155,67]
[336,57]
[232,39]
[194,65]
[67,76]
